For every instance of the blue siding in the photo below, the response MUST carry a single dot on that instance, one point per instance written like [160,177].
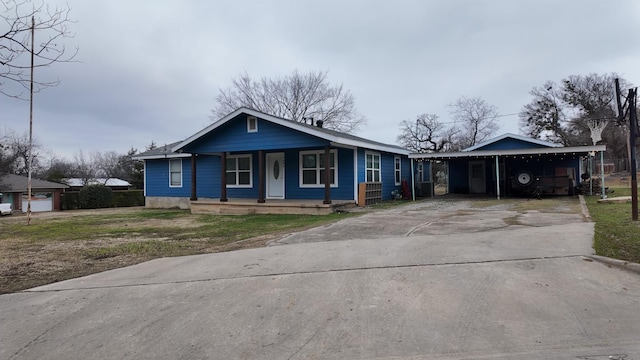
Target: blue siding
[459,176]
[233,136]
[157,178]
[509,144]
[344,191]
[208,178]
[387,171]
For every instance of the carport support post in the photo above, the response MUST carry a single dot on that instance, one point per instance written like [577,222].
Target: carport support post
[327,175]
[194,195]
[223,177]
[497,177]
[413,182]
[604,196]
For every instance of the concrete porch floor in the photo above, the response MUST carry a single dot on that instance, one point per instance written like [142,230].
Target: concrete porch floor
[271,206]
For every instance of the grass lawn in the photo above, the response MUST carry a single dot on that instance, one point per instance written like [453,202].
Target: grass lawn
[616,235]
[67,246]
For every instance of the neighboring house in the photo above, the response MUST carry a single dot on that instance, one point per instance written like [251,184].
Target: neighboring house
[45,195]
[253,155]
[76,184]
[523,165]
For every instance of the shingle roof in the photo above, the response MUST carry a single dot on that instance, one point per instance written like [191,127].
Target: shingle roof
[160,152]
[17,183]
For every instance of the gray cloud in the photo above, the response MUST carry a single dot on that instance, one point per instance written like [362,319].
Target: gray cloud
[150,70]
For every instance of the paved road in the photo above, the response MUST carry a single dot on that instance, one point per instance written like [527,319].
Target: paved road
[515,292]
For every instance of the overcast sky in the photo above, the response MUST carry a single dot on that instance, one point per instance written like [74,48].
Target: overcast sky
[150,70]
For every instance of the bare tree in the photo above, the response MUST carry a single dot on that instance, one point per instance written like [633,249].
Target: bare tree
[559,113]
[14,153]
[427,134]
[296,97]
[475,121]
[86,166]
[15,42]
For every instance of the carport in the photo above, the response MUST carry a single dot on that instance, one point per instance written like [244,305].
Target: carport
[518,162]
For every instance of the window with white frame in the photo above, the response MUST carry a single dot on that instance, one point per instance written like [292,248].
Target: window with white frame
[175,173]
[239,171]
[397,169]
[312,168]
[252,124]
[372,167]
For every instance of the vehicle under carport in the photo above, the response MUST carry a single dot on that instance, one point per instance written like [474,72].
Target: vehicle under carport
[524,166]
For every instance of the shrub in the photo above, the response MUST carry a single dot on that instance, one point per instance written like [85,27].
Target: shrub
[94,196]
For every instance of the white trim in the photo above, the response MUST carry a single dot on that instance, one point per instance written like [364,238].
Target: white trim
[513,136]
[581,150]
[282,171]
[318,168]
[373,169]
[355,175]
[161,156]
[255,121]
[175,186]
[397,172]
[237,171]
[337,138]
[144,177]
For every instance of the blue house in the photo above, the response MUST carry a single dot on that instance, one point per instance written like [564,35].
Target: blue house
[524,166]
[252,162]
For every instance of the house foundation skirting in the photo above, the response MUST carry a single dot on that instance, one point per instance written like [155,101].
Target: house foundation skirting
[166,202]
[250,206]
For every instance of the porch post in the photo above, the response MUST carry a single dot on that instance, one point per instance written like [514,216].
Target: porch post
[413,182]
[261,179]
[223,177]
[497,177]
[194,195]
[327,175]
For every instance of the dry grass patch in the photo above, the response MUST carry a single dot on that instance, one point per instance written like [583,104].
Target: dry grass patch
[55,248]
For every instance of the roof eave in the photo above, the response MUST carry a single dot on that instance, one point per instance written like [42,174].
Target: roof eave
[510,152]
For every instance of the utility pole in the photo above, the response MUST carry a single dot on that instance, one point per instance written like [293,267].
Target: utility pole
[633,135]
[30,124]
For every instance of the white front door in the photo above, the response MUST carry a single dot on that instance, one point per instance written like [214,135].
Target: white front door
[275,176]
[477,178]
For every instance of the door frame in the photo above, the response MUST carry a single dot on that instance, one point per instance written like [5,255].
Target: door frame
[269,156]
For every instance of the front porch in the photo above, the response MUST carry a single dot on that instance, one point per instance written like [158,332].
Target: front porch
[250,206]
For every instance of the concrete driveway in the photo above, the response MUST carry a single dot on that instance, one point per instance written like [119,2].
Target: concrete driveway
[404,283]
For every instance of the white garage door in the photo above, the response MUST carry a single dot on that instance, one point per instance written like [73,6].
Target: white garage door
[39,202]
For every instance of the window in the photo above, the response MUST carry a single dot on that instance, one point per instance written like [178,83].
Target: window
[239,171]
[398,168]
[175,173]
[419,172]
[372,167]
[312,168]
[252,124]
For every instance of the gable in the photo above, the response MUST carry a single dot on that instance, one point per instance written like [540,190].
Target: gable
[234,136]
[510,144]
[282,138]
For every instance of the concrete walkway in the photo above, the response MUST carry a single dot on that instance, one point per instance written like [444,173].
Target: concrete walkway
[515,292]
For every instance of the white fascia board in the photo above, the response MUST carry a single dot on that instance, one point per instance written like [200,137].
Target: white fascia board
[353,144]
[487,153]
[168,156]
